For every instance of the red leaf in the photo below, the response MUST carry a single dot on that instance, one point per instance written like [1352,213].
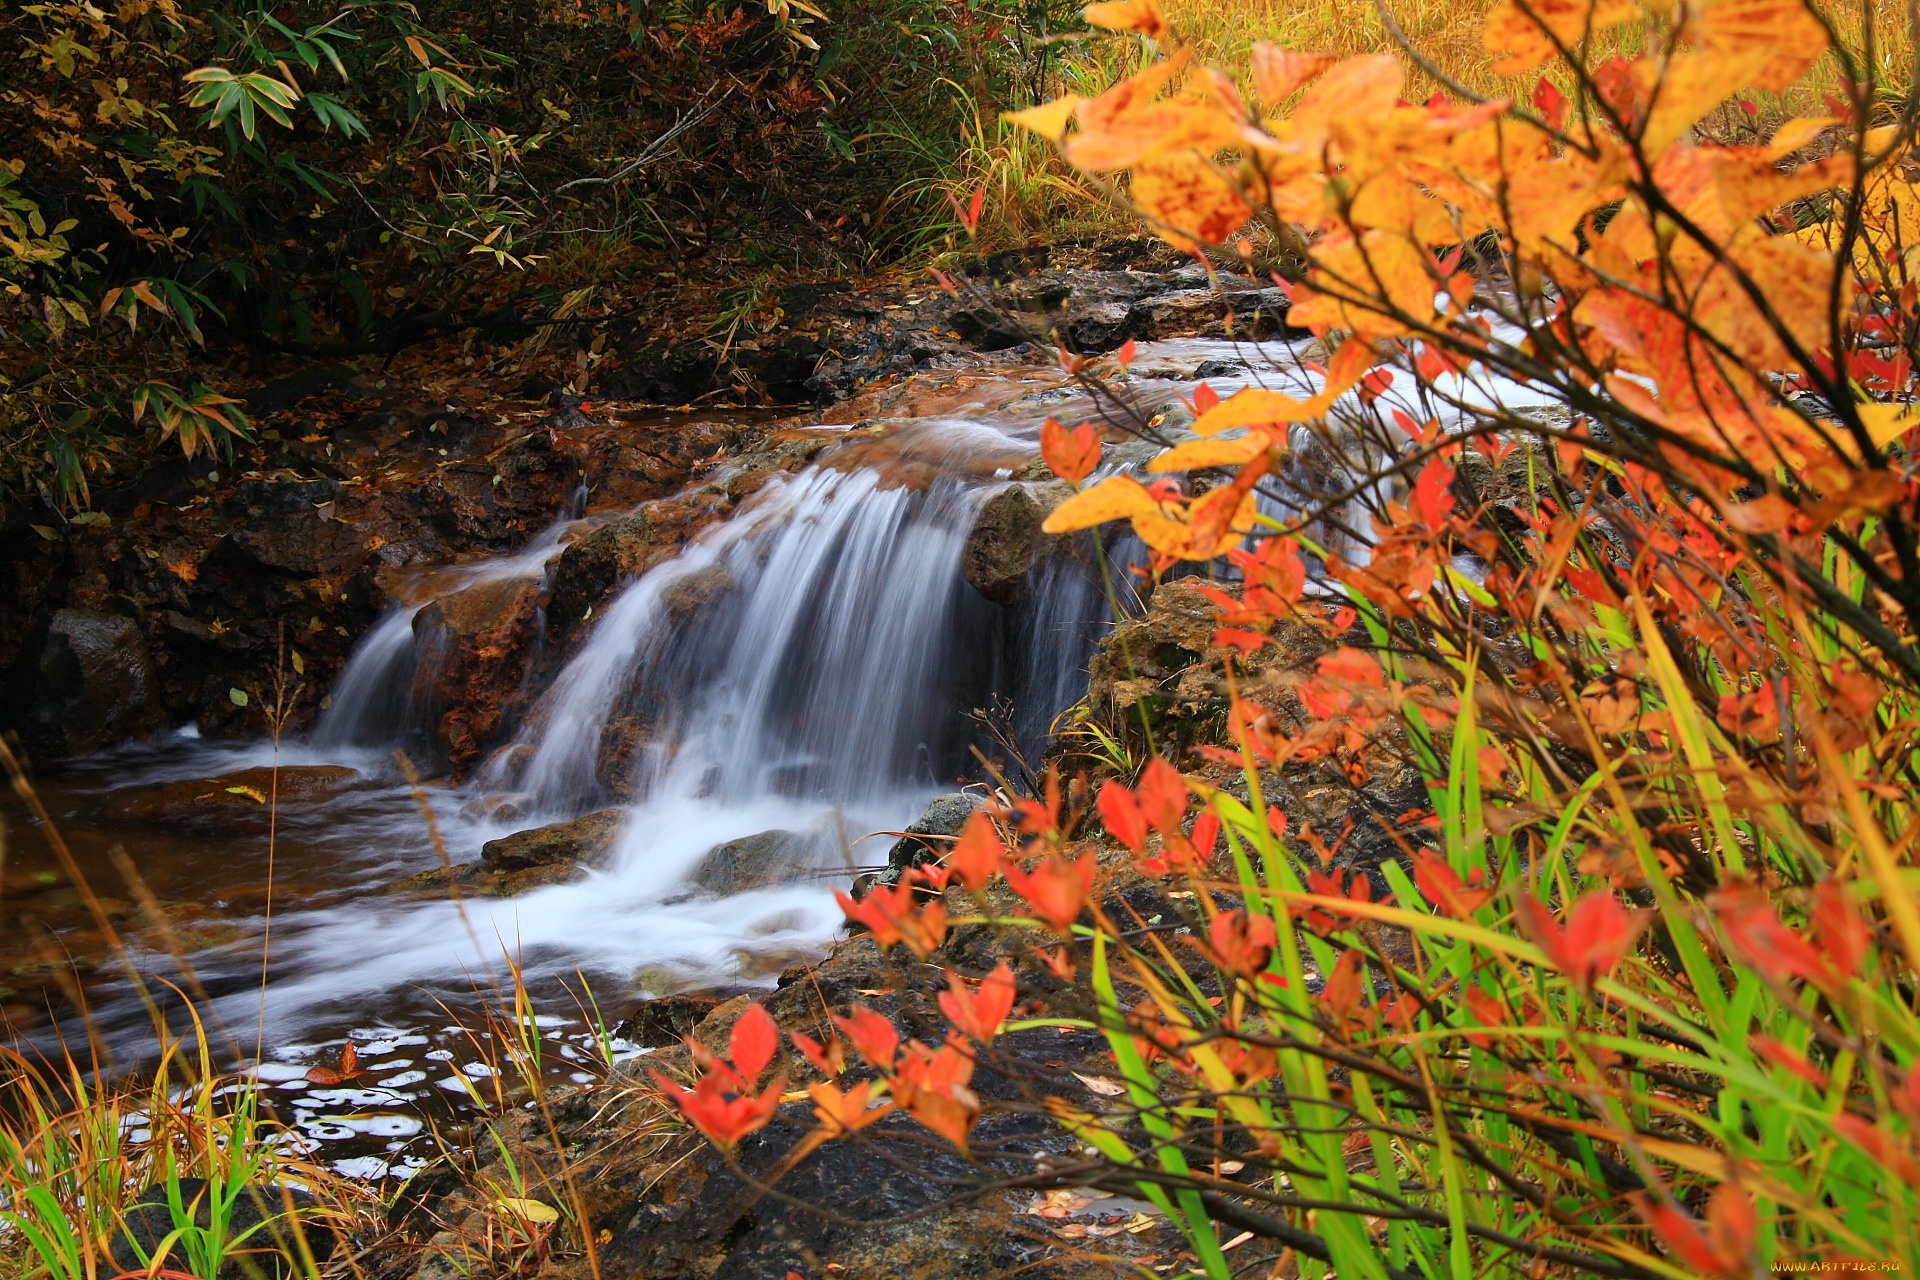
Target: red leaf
[752,1042]
[1125,354]
[1204,399]
[1056,889]
[1240,943]
[979,1011]
[872,1035]
[829,1059]
[1598,934]
[1120,814]
[1432,497]
[976,855]
[1071,455]
[1163,795]
[1441,886]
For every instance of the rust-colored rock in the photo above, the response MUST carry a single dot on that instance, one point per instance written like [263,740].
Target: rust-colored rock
[237,800]
[474,648]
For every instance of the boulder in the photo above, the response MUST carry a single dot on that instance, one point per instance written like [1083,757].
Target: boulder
[581,842]
[1006,542]
[755,861]
[595,564]
[526,860]
[474,646]
[86,684]
[945,815]
[259,1213]
[289,526]
[237,800]
[666,1021]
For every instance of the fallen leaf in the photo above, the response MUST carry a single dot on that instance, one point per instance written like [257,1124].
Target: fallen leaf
[528,1210]
[1101,1085]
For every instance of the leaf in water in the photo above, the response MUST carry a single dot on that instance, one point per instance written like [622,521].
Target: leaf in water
[349,1068]
[248,791]
[238,697]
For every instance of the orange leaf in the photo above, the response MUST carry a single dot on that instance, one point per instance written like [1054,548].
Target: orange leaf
[976,854]
[1114,498]
[1524,38]
[1071,455]
[1189,201]
[1056,889]
[1280,73]
[1143,16]
[979,1011]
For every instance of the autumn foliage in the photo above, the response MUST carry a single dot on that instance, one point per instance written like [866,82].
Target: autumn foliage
[1573,564]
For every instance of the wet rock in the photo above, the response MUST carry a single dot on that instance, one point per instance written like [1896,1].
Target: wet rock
[259,1214]
[581,842]
[558,853]
[666,1021]
[290,389]
[87,683]
[945,815]
[592,566]
[643,460]
[1006,542]
[756,861]
[474,647]
[237,800]
[291,526]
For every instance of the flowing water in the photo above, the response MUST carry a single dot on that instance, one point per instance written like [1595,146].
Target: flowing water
[824,683]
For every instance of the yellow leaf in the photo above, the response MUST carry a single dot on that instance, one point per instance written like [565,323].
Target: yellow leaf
[1049,119]
[1686,88]
[1886,422]
[528,1210]
[1781,35]
[1797,133]
[1196,454]
[1112,499]
[1143,16]
[1522,34]
[1189,201]
[251,792]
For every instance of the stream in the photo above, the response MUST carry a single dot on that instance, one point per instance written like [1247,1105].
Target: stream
[824,686]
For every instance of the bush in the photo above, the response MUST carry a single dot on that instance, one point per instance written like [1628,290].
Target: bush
[1598,497]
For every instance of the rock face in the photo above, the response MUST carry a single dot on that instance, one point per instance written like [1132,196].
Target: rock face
[1006,542]
[1159,667]
[756,861]
[87,684]
[474,648]
[233,800]
[293,527]
[582,842]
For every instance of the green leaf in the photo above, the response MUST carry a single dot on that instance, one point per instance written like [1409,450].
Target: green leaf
[238,697]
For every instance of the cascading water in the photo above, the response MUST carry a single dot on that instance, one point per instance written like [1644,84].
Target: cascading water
[809,666]
[371,704]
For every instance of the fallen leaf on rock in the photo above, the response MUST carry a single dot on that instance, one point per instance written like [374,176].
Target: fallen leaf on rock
[1101,1085]
[1065,1202]
[528,1210]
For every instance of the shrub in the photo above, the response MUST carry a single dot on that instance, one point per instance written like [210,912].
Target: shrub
[1612,554]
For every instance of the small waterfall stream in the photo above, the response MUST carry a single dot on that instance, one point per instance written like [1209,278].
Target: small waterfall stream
[810,665]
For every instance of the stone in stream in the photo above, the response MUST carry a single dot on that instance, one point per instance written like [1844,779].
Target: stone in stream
[233,800]
[581,842]
[86,684]
[526,860]
[755,861]
[474,646]
[1006,542]
[259,1218]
